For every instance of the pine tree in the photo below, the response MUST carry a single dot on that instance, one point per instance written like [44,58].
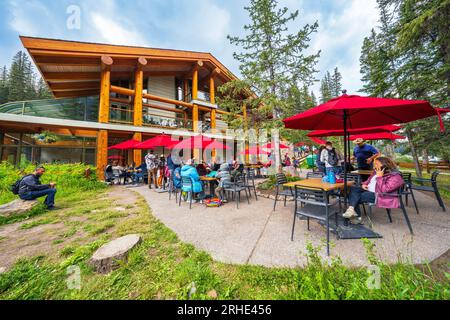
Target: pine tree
[273,60]
[336,83]
[326,88]
[4,85]
[43,92]
[16,79]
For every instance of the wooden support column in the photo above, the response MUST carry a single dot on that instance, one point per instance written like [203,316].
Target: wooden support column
[137,114]
[103,116]
[185,90]
[105,83]
[102,153]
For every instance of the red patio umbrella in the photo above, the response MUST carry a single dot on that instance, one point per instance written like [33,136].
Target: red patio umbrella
[336,133]
[317,140]
[355,112]
[115,157]
[162,140]
[217,145]
[194,142]
[254,151]
[378,136]
[129,144]
[271,146]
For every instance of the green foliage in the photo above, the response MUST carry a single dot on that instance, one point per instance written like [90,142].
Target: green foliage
[270,183]
[70,179]
[273,62]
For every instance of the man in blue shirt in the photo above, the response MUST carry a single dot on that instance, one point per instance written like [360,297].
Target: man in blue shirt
[364,154]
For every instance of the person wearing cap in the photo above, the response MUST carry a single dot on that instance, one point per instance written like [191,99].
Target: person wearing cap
[161,171]
[364,154]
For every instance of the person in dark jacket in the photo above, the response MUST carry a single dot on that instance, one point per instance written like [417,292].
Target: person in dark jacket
[30,188]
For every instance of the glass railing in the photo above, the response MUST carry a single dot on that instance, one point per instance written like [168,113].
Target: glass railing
[166,122]
[82,109]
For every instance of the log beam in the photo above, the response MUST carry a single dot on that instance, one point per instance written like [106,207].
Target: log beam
[105,84]
[102,153]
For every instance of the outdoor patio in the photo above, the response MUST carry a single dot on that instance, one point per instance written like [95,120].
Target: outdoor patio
[255,234]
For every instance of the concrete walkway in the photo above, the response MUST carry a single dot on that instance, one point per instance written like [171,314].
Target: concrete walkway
[254,234]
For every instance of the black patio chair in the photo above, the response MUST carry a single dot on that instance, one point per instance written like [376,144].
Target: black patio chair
[281,190]
[249,179]
[237,186]
[189,187]
[172,189]
[400,193]
[313,203]
[407,177]
[431,187]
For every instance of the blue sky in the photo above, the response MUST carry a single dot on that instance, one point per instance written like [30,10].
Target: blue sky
[200,25]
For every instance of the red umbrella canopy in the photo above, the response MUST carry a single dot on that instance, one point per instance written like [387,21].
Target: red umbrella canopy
[378,136]
[217,145]
[129,144]
[194,142]
[318,141]
[115,157]
[162,140]
[336,133]
[272,145]
[361,112]
[254,151]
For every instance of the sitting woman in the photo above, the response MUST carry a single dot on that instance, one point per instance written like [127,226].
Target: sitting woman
[385,179]
[188,170]
[177,178]
[224,180]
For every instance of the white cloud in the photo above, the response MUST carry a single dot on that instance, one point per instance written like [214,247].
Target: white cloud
[340,38]
[110,31]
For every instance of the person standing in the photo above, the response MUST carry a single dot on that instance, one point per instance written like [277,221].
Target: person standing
[150,162]
[364,154]
[30,188]
[330,158]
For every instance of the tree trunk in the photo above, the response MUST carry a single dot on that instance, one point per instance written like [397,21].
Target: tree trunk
[414,153]
[425,160]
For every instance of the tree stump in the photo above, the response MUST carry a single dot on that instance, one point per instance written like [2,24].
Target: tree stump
[17,206]
[106,258]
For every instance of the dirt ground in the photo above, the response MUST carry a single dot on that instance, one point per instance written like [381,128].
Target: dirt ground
[17,242]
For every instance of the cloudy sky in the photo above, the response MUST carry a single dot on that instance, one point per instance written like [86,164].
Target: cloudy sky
[199,25]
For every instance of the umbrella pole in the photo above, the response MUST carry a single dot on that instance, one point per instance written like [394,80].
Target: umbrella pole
[345,160]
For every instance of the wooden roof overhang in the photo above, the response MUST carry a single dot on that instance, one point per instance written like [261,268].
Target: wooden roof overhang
[72,69]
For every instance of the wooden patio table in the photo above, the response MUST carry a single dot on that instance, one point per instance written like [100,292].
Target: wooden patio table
[318,183]
[211,181]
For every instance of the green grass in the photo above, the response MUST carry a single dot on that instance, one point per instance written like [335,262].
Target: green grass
[163,267]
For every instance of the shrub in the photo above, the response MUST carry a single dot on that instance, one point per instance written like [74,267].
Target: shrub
[69,178]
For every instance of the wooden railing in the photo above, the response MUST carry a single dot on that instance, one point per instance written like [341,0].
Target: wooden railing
[443,166]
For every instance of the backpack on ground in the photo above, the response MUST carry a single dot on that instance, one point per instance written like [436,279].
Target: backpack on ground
[16,185]
[332,158]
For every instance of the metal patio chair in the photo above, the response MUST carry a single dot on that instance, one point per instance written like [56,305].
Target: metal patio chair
[429,185]
[281,179]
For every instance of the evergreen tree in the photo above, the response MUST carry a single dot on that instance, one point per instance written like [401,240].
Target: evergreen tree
[17,79]
[4,85]
[336,83]
[273,60]
[325,88]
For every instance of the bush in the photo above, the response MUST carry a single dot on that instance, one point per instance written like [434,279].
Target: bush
[272,180]
[69,178]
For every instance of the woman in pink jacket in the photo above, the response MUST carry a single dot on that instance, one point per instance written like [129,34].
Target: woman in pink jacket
[385,179]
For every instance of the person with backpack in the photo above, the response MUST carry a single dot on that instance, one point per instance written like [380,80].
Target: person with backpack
[330,158]
[30,188]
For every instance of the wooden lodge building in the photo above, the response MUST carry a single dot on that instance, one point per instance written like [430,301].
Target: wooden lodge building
[105,94]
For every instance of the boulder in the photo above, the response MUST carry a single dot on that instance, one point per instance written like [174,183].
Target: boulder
[17,206]
[106,258]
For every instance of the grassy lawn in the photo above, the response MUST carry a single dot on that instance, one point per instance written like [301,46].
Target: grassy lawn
[163,267]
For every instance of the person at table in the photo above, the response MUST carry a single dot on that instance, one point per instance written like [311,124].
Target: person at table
[138,173]
[385,179]
[177,183]
[224,180]
[364,154]
[202,169]
[320,165]
[188,170]
[330,158]
[235,170]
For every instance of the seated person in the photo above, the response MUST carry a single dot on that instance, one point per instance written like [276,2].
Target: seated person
[202,169]
[236,169]
[224,179]
[138,174]
[177,178]
[109,176]
[384,179]
[30,188]
[188,170]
